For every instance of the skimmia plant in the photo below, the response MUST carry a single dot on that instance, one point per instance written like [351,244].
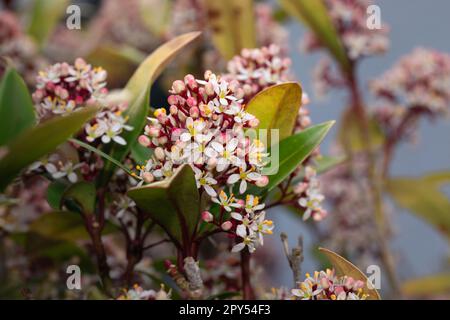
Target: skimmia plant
[172,199]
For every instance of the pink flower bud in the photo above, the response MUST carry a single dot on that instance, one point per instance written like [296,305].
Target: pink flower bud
[173,109]
[162,140]
[172,99]
[324,283]
[148,177]
[262,182]
[207,216]
[349,281]
[153,132]
[226,225]
[212,163]
[253,123]
[191,102]
[209,89]
[358,285]
[159,153]
[144,140]
[241,202]
[305,99]
[247,89]
[178,86]
[194,112]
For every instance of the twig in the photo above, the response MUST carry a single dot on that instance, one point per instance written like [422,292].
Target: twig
[295,257]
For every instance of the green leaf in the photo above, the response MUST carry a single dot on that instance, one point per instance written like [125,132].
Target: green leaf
[423,197]
[293,151]
[314,14]
[276,107]
[172,203]
[349,134]
[155,63]
[139,89]
[60,225]
[36,142]
[232,26]
[140,154]
[16,107]
[118,61]
[344,267]
[433,285]
[58,250]
[325,163]
[45,16]
[55,193]
[83,195]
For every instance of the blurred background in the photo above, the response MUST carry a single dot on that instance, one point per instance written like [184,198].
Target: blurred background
[420,250]
[117,34]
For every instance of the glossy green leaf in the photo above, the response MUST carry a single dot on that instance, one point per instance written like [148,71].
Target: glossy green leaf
[120,62]
[36,142]
[232,26]
[314,14]
[55,192]
[344,267]
[140,154]
[45,15]
[423,197]
[16,107]
[155,63]
[428,286]
[173,203]
[81,194]
[276,107]
[325,163]
[293,151]
[138,87]
[58,250]
[60,225]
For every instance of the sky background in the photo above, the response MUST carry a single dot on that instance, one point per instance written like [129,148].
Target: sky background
[419,249]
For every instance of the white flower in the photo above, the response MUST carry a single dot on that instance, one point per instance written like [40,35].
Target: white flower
[195,153]
[225,155]
[226,202]
[243,176]
[312,202]
[261,226]
[166,171]
[248,240]
[64,170]
[205,180]
[194,130]
[252,204]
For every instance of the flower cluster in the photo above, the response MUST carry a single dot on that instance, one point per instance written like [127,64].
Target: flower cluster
[138,293]
[350,19]
[268,30]
[257,69]
[419,80]
[247,224]
[204,128]
[310,198]
[325,285]
[62,88]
